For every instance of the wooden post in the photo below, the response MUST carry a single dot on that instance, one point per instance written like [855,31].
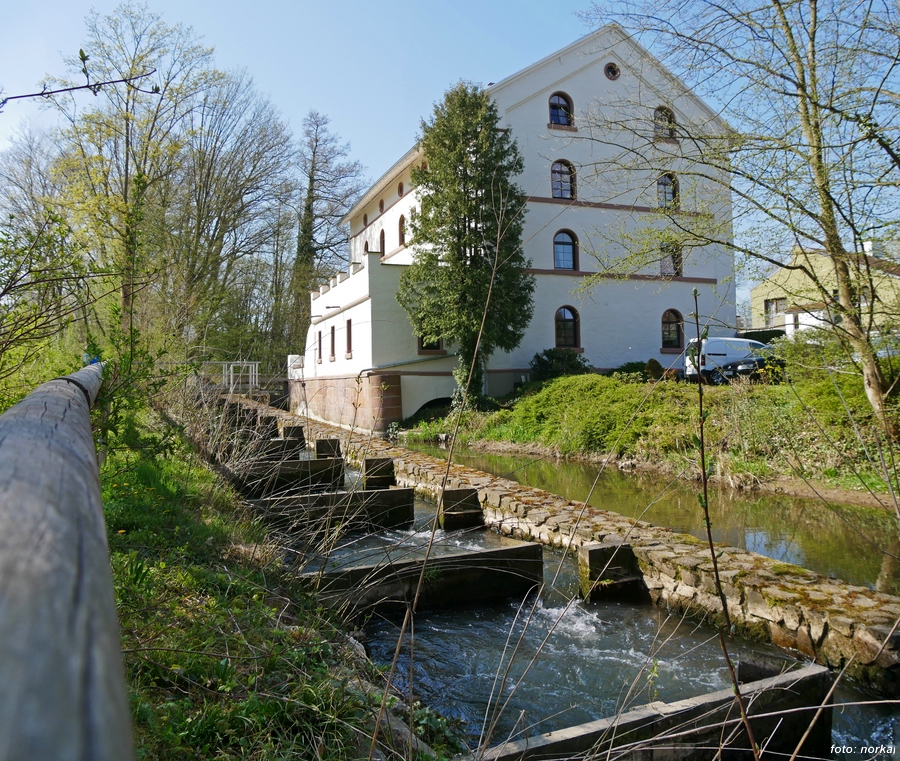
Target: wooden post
[60,651]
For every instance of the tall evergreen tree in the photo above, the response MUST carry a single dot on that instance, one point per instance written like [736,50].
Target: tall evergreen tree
[467,285]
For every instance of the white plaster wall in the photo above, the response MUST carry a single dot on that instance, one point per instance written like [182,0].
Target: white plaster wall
[620,319]
[353,291]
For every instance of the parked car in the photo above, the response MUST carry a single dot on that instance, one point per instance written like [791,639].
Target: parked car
[715,353]
[763,366]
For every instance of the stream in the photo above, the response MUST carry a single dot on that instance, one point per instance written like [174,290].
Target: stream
[520,667]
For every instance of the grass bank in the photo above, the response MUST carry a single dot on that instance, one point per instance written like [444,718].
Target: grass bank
[821,429]
[226,657]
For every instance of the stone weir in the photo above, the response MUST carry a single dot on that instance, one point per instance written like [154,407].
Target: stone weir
[839,625]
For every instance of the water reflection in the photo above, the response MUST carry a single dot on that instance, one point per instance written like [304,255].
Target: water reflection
[846,542]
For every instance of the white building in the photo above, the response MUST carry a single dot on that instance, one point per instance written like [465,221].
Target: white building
[364,367]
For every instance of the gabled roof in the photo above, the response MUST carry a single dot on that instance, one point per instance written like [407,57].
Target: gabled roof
[602,40]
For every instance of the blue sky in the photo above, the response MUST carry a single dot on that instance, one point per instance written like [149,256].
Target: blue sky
[375,68]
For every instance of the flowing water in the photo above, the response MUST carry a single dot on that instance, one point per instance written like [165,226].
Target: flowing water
[846,542]
[520,667]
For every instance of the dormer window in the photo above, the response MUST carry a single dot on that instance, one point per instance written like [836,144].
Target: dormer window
[664,126]
[561,112]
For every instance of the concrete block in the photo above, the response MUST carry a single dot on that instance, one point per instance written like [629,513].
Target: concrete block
[328,448]
[378,473]
[460,509]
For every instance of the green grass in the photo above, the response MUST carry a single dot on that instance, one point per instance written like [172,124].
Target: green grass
[753,431]
[225,656]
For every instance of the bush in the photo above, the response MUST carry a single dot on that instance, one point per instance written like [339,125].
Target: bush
[653,370]
[624,372]
[555,363]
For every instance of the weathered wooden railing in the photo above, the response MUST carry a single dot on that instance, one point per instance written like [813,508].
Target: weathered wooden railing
[61,675]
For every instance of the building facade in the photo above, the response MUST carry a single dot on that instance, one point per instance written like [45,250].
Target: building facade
[801,294]
[362,365]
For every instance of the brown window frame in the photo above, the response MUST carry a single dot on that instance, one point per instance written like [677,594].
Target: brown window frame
[574,332]
[562,180]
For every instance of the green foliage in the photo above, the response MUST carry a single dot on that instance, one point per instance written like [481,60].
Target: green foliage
[629,368]
[467,283]
[42,286]
[753,431]
[214,670]
[653,369]
[556,362]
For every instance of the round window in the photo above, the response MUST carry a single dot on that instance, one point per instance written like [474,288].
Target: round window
[611,70]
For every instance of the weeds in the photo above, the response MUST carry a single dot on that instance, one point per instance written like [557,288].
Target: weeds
[225,657]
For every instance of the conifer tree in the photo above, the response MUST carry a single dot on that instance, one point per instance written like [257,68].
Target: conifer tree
[467,285]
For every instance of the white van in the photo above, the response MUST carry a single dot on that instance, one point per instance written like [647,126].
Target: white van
[715,353]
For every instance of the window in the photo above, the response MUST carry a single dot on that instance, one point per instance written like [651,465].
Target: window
[567,333]
[381,241]
[562,179]
[331,355]
[611,70]
[319,350]
[671,263]
[400,190]
[667,191]
[401,229]
[565,251]
[381,206]
[561,110]
[349,340]
[365,220]
[664,124]
[366,248]
[672,330]
[431,347]
[774,312]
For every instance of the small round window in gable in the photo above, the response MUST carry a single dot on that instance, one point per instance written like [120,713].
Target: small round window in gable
[612,70]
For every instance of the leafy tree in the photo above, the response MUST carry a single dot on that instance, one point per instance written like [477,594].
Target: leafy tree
[117,155]
[807,147]
[467,284]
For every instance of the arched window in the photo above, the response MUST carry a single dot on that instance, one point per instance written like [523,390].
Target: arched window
[565,251]
[365,220]
[381,242]
[672,330]
[664,126]
[366,248]
[401,229]
[667,191]
[567,329]
[562,179]
[561,114]
[400,189]
[671,262]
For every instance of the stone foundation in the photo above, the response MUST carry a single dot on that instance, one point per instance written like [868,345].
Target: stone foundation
[367,403]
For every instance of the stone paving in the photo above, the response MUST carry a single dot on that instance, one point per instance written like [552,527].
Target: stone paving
[835,623]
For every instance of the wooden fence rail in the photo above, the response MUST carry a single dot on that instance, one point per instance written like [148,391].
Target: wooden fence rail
[61,675]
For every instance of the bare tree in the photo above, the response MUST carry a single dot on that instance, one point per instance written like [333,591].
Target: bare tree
[333,182]
[806,139]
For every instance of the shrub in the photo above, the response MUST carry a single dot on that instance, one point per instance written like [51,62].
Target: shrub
[555,363]
[653,370]
[628,369]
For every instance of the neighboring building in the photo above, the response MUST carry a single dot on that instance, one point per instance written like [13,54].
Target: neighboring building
[790,300]
[364,367]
